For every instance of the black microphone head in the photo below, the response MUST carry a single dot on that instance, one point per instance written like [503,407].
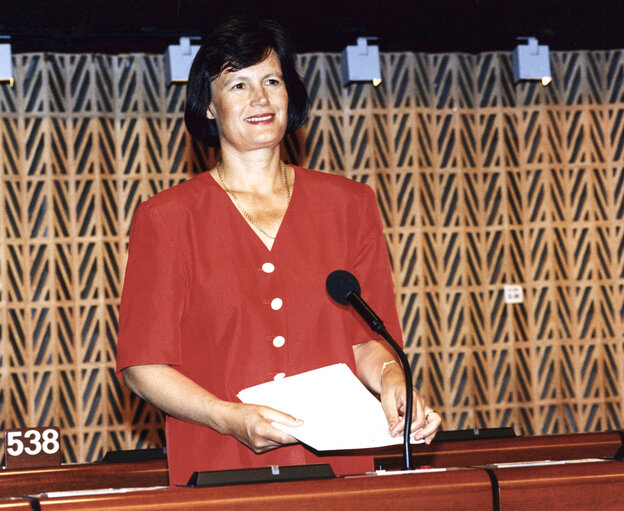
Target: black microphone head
[340,284]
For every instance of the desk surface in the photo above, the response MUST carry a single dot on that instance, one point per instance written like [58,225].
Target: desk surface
[528,486]
[580,486]
[15,483]
[467,453]
[558,487]
[15,505]
[454,489]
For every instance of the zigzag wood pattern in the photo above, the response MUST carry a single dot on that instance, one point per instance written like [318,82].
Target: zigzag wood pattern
[481,183]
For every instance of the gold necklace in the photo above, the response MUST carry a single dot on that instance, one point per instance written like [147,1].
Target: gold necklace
[219,167]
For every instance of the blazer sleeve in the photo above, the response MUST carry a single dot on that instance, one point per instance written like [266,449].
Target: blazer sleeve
[371,266]
[154,291]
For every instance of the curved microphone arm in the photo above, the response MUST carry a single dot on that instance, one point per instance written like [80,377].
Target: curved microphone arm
[376,324]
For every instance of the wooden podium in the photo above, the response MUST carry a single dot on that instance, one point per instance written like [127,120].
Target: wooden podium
[550,472]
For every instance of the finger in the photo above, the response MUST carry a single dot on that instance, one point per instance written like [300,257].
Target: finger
[275,419]
[390,408]
[267,444]
[398,428]
[418,418]
[280,436]
[418,413]
[428,432]
[275,416]
[267,436]
[417,423]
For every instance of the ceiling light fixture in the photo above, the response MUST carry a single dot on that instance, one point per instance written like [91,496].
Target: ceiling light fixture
[6,65]
[178,60]
[360,63]
[531,61]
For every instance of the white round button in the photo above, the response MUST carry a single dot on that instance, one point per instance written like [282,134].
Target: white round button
[279,376]
[268,268]
[276,304]
[279,341]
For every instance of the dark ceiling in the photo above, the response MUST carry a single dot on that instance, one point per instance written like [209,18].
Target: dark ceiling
[473,26]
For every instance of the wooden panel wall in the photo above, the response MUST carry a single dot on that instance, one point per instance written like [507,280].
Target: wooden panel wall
[481,183]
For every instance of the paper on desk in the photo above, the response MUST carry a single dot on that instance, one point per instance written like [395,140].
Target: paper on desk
[337,410]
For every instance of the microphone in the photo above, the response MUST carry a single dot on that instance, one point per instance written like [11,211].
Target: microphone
[344,288]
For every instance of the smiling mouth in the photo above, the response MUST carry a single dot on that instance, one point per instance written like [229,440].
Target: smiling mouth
[260,118]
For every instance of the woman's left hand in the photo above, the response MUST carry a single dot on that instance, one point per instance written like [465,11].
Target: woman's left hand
[425,421]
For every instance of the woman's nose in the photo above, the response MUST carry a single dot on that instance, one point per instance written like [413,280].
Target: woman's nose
[259,96]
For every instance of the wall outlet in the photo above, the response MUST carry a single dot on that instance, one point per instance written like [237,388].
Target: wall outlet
[513,294]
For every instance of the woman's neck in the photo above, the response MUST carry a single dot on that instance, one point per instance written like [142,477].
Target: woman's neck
[257,172]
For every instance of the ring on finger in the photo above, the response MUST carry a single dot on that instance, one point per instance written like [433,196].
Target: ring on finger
[427,414]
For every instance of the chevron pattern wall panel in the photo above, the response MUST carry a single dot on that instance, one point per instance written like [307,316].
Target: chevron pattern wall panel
[481,184]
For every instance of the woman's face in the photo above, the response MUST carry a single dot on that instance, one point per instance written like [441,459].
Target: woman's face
[250,106]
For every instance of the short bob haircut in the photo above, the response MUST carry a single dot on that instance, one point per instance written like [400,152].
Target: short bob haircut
[236,44]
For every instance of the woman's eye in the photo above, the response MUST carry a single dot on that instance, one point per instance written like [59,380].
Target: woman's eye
[238,86]
[274,81]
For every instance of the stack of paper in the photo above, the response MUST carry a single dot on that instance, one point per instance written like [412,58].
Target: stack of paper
[337,410]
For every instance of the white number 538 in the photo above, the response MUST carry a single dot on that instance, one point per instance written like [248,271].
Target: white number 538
[32,442]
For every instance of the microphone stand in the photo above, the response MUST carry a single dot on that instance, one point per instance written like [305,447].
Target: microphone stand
[377,326]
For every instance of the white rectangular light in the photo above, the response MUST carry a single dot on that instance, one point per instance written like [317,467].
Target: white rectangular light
[178,60]
[6,66]
[360,63]
[531,61]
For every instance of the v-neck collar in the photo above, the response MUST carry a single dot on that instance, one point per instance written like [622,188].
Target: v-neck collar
[235,211]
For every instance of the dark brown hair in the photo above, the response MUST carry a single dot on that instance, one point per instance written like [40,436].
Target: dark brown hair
[236,44]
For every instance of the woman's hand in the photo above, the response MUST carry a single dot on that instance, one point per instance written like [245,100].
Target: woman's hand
[425,422]
[252,425]
[386,380]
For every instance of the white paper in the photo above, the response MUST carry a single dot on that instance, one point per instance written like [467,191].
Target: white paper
[337,410]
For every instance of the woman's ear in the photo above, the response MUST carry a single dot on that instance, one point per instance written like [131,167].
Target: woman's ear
[210,111]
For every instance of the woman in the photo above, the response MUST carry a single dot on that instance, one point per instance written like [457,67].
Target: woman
[225,282]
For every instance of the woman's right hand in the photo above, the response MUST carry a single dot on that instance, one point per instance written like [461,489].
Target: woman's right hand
[253,426]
